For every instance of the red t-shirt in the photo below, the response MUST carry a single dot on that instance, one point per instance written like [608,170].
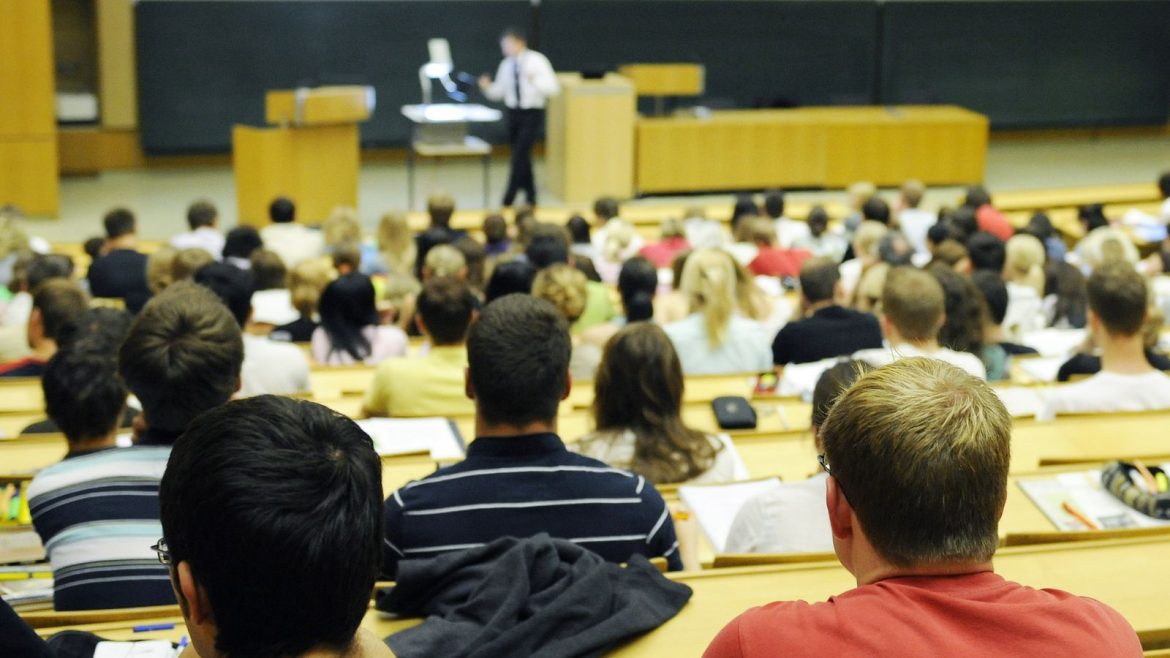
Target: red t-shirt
[771,261]
[663,253]
[991,220]
[976,615]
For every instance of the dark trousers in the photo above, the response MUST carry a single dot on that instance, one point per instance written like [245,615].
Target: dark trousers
[523,127]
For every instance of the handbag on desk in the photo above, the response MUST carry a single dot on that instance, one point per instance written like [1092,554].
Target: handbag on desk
[1117,480]
[733,412]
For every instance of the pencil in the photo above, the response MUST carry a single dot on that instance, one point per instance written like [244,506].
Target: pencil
[1078,515]
[1151,483]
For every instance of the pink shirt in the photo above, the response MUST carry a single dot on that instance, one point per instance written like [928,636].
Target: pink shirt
[385,341]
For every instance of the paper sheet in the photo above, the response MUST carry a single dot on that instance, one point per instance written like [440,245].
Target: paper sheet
[1083,490]
[1054,342]
[1021,401]
[715,506]
[1042,369]
[144,649]
[800,379]
[400,436]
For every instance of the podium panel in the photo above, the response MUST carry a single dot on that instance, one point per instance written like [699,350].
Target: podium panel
[590,143]
[28,126]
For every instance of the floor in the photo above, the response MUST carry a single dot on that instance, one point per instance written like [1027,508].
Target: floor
[160,196]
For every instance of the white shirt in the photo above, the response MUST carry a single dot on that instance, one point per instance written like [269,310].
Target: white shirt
[788,231]
[273,368]
[617,450]
[537,81]
[745,346]
[273,307]
[1025,310]
[1107,392]
[791,518]
[385,341]
[827,244]
[914,224]
[884,356]
[204,237]
[293,242]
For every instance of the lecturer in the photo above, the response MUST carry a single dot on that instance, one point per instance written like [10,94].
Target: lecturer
[523,81]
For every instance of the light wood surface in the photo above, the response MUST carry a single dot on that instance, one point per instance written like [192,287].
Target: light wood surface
[117,69]
[673,79]
[590,143]
[320,106]
[811,147]
[28,125]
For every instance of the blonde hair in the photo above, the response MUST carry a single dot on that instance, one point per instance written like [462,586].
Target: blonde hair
[396,243]
[868,237]
[914,302]
[860,192]
[158,268]
[342,227]
[709,282]
[1024,261]
[564,286]
[867,297]
[672,228]
[13,239]
[186,262]
[445,260]
[618,235]
[306,281]
[759,229]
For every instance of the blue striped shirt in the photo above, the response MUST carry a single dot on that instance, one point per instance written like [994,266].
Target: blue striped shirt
[97,515]
[520,486]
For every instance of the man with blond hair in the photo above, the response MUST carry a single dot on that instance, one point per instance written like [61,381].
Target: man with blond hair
[917,454]
[913,311]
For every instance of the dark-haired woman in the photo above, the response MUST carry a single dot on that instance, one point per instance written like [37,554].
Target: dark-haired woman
[350,330]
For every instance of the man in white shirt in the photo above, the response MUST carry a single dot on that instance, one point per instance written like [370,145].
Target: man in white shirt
[913,310]
[1127,381]
[912,220]
[788,230]
[291,241]
[524,81]
[203,219]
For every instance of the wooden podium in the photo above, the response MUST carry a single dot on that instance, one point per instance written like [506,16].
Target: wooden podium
[311,155]
[28,122]
[590,142]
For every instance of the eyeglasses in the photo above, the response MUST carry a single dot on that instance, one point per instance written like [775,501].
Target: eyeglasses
[164,555]
[824,464]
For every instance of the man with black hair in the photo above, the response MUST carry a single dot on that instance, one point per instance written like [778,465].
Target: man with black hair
[121,272]
[269,366]
[827,329]
[876,209]
[95,512]
[788,231]
[293,242]
[291,577]
[84,396]
[57,308]
[995,294]
[518,478]
[431,384]
[203,219]
[987,252]
[549,245]
[524,81]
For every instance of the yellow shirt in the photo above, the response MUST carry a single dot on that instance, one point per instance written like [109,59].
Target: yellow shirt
[427,385]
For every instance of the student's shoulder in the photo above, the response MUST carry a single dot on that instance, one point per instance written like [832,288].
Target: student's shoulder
[767,630]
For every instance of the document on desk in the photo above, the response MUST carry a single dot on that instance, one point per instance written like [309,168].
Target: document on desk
[402,436]
[1021,401]
[1085,495]
[716,505]
[1043,369]
[144,649]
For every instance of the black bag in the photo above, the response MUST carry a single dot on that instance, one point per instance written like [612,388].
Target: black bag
[1115,476]
[733,412]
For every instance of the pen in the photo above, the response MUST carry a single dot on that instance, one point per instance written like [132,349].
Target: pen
[1076,514]
[1151,483]
[146,628]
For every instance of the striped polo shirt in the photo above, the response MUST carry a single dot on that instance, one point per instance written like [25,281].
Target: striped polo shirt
[97,515]
[520,486]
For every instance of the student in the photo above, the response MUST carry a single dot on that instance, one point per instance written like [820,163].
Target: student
[396,249]
[788,231]
[637,400]
[291,241]
[203,219]
[567,289]
[518,478]
[714,338]
[917,459]
[1023,272]
[269,366]
[57,308]
[350,330]
[637,286]
[792,518]
[185,263]
[121,271]
[827,328]
[495,234]
[18,638]
[239,245]
[430,384]
[509,277]
[673,240]
[84,396]
[1127,381]
[987,252]
[964,316]
[295,578]
[821,241]
[305,283]
[913,306]
[96,512]
[997,349]
[866,241]
[770,260]
[549,245]
[271,297]
[913,221]
[987,217]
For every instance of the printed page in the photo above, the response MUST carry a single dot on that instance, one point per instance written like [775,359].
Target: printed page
[401,436]
[715,506]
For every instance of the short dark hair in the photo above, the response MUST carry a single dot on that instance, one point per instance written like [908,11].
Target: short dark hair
[296,571]
[43,267]
[578,228]
[515,33]
[987,252]
[347,253]
[994,292]
[446,305]
[84,395]
[118,222]
[818,279]
[268,270]
[510,277]
[831,384]
[977,197]
[1093,215]
[876,209]
[61,304]
[940,232]
[241,242]
[429,239]
[201,213]
[963,223]
[774,203]
[282,210]
[102,329]
[1118,296]
[232,285]
[182,355]
[548,245]
[1164,185]
[518,360]
[495,228]
[638,282]
[606,207]
[441,207]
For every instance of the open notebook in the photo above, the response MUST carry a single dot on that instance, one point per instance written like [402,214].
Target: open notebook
[402,436]
[715,505]
[1084,492]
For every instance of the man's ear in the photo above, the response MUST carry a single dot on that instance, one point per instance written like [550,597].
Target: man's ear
[468,389]
[840,511]
[568,385]
[199,610]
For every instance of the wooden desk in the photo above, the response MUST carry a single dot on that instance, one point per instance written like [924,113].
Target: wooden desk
[811,147]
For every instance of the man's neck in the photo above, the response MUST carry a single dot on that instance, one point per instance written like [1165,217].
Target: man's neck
[44,349]
[484,429]
[128,241]
[895,339]
[993,333]
[817,306]
[882,571]
[1124,355]
[82,446]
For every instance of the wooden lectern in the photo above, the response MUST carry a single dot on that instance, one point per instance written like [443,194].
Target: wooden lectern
[28,122]
[590,143]
[311,155]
